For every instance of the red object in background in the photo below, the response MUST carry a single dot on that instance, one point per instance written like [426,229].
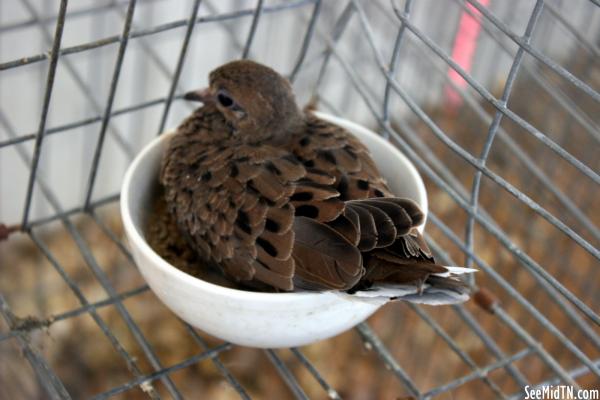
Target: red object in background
[463,51]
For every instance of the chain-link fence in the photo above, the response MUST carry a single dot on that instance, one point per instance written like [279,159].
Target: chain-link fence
[495,102]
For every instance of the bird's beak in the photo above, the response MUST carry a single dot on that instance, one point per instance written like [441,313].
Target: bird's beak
[203,95]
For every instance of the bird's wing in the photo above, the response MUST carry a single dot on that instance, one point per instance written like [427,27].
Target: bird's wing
[234,206]
[374,231]
[329,149]
[381,226]
[237,206]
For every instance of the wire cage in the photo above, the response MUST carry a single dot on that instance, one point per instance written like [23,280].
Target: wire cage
[497,103]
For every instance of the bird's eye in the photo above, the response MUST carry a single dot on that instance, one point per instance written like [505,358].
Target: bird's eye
[224,100]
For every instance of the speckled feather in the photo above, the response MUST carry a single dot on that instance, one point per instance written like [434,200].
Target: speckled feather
[292,205]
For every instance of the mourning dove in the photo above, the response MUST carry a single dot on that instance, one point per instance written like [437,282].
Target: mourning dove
[282,199]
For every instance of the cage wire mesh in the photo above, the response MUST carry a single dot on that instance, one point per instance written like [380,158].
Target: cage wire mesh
[495,102]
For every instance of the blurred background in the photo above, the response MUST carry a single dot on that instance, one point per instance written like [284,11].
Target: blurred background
[496,102]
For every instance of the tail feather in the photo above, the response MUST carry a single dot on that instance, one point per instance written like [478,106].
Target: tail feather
[438,289]
[373,250]
[430,295]
[452,270]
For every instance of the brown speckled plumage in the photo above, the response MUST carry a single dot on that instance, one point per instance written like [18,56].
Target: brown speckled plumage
[280,197]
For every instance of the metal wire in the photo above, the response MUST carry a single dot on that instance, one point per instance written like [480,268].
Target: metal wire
[497,179]
[51,383]
[111,96]
[286,375]
[331,38]
[60,23]
[492,228]
[487,147]
[182,54]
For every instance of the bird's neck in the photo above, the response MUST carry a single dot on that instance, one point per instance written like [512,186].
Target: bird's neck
[209,127]
[282,132]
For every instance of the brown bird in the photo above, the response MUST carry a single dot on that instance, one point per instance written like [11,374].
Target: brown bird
[282,199]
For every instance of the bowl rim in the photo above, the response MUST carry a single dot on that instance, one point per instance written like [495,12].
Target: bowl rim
[134,234]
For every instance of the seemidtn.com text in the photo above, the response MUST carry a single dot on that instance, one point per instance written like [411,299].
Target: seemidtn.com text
[560,392]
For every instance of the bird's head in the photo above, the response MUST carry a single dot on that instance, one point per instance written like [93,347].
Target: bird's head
[256,101]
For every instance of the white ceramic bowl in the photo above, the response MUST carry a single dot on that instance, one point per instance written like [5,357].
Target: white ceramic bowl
[268,320]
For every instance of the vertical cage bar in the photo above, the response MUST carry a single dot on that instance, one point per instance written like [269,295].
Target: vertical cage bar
[54,54]
[307,40]
[252,32]
[180,61]
[385,116]
[111,96]
[493,129]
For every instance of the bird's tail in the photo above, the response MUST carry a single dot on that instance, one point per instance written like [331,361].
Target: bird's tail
[400,265]
[374,251]
[438,289]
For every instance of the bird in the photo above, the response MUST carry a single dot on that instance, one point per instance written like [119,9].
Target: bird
[282,200]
